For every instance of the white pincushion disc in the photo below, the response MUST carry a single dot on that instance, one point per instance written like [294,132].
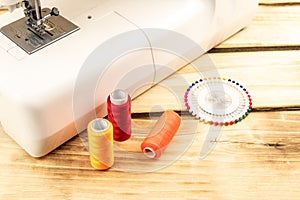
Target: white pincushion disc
[218,101]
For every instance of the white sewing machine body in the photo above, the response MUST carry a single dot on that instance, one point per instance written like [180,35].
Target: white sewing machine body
[36,90]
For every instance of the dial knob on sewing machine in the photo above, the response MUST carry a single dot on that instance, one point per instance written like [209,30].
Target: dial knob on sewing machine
[54,11]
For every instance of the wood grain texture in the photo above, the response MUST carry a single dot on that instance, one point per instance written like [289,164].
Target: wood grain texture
[255,159]
[279,2]
[258,158]
[272,78]
[272,26]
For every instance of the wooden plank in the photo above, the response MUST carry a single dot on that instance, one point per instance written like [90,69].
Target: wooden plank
[272,78]
[245,164]
[272,26]
[291,2]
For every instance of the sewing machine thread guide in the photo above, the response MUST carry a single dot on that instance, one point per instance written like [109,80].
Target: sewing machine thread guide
[57,27]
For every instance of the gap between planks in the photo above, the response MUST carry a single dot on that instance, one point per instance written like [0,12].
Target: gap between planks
[147,115]
[255,49]
[280,4]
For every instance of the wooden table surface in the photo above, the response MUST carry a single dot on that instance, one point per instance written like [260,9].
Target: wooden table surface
[258,158]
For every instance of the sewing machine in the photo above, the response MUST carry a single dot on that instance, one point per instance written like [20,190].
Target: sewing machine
[44,47]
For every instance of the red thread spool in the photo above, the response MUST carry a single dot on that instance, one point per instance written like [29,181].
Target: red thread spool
[119,114]
[161,134]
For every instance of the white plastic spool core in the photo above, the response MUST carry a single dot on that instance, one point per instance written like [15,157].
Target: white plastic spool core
[99,125]
[119,97]
[149,152]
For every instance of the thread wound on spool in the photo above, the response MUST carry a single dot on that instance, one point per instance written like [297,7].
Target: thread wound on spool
[161,134]
[119,114]
[100,137]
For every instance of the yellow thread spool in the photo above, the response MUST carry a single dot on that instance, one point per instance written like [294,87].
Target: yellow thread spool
[101,146]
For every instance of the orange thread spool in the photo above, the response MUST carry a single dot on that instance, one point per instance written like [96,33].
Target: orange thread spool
[161,134]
